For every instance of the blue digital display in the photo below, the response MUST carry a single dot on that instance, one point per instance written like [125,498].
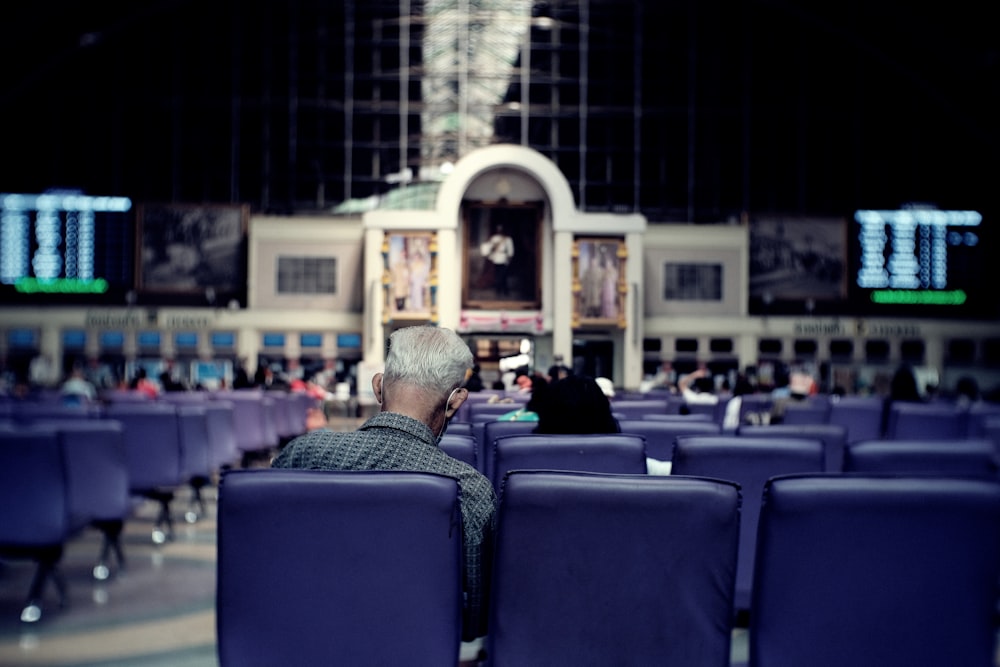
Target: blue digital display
[64,245]
[919,261]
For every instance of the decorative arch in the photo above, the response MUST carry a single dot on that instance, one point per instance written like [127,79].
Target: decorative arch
[509,156]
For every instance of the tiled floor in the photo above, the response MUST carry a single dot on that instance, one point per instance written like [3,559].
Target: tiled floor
[158,611]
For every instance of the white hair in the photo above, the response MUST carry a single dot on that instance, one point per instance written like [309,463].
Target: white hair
[427,356]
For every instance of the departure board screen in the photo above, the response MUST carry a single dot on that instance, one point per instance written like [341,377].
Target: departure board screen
[922,261]
[65,246]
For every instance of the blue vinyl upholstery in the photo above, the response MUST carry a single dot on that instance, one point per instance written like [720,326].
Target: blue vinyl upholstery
[876,572]
[345,568]
[603,452]
[750,462]
[595,569]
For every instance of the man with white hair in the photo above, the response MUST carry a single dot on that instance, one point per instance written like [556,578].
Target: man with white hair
[420,391]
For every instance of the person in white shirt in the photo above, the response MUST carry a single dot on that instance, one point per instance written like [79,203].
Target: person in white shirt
[499,250]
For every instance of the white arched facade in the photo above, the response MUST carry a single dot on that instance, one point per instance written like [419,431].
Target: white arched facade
[511,172]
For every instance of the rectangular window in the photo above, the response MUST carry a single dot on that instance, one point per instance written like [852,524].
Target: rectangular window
[692,282]
[148,339]
[223,339]
[186,339]
[311,340]
[307,275]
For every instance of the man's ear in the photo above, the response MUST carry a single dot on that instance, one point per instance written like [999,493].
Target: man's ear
[455,401]
[377,387]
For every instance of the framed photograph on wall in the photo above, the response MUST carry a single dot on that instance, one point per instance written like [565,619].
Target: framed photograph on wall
[410,276]
[599,285]
[502,256]
[192,248]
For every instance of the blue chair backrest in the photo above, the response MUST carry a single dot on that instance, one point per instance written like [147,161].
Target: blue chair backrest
[806,413]
[860,415]
[918,558]
[353,568]
[484,412]
[490,431]
[925,421]
[221,421]
[96,469]
[601,452]
[460,428]
[833,436]
[29,413]
[594,569]
[661,435]
[34,509]
[196,460]
[973,457]
[252,434]
[636,409]
[750,462]
[461,447]
[152,444]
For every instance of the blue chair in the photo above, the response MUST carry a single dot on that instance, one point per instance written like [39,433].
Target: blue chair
[223,451]
[670,417]
[973,457]
[461,447]
[661,435]
[154,455]
[874,571]
[35,521]
[32,413]
[806,412]
[254,439]
[196,459]
[977,418]
[602,452]
[97,483]
[860,415]
[925,421]
[637,409]
[595,569]
[833,436]
[754,406]
[490,431]
[750,462]
[486,412]
[351,568]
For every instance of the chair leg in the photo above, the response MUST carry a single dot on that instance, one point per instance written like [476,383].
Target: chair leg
[48,559]
[111,530]
[163,519]
[197,508]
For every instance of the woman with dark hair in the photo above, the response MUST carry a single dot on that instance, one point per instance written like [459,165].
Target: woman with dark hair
[577,405]
[902,388]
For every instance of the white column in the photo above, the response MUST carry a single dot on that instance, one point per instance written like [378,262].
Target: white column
[562,307]
[632,338]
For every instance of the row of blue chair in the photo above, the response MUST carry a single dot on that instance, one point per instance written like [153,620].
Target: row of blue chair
[661,432]
[599,569]
[101,458]
[861,416]
[749,458]
[57,480]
